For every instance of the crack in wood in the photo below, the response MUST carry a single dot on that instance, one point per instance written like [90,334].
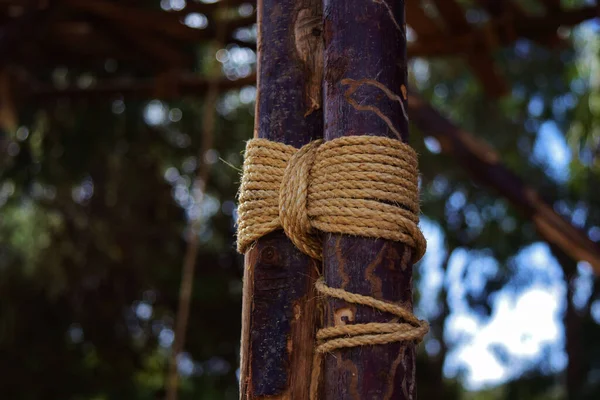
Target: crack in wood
[354,85]
[308,35]
[392,375]
[391,13]
[370,276]
[351,370]
[342,263]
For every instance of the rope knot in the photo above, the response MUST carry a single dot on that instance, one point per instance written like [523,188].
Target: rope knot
[293,201]
[357,185]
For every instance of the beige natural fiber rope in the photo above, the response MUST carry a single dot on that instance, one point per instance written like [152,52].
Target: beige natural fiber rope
[369,334]
[356,185]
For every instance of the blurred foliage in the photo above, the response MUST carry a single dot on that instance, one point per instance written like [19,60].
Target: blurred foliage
[95,195]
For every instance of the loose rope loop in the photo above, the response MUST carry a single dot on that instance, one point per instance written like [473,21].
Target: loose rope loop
[341,336]
[369,334]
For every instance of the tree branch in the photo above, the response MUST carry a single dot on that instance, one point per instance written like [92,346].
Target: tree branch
[484,165]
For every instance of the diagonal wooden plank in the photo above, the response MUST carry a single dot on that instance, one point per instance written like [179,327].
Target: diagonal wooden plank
[485,166]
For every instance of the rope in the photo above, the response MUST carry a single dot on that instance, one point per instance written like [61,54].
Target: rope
[369,334]
[357,185]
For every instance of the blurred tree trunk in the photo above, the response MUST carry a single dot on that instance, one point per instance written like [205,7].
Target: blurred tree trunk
[574,345]
[280,305]
[438,328]
[365,44]
[573,323]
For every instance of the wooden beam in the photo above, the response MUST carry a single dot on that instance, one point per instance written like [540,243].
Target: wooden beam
[537,27]
[49,53]
[485,166]
[132,89]
[211,8]
[431,40]
[141,18]
[160,22]
[523,26]
[366,42]
[279,300]
[157,48]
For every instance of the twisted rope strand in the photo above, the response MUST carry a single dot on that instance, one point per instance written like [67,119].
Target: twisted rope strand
[294,198]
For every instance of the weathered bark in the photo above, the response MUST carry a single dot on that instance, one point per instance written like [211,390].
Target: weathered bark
[365,94]
[280,308]
[180,85]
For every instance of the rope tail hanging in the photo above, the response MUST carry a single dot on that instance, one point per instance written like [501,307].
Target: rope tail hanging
[357,185]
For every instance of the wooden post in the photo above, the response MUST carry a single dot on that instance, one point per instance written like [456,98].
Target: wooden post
[280,304]
[365,94]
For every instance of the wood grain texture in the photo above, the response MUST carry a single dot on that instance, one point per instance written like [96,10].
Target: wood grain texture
[280,304]
[365,94]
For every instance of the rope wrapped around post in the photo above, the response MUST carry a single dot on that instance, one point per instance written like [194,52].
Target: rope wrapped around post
[356,185]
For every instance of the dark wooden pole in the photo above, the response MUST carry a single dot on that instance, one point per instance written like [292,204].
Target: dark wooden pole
[365,94]
[280,307]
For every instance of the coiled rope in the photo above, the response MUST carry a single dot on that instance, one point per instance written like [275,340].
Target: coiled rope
[356,185]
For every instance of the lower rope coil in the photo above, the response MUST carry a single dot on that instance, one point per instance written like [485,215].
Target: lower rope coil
[357,185]
[369,334]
